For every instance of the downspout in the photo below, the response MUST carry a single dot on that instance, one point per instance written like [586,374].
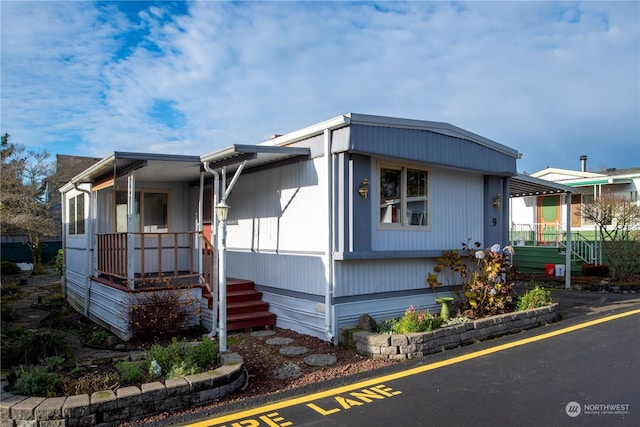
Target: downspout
[131,241]
[88,250]
[329,270]
[213,239]
[64,246]
[198,243]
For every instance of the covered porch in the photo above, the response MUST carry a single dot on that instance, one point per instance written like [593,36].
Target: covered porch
[540,243]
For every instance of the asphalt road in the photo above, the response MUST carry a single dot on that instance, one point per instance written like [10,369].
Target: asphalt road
[581,371]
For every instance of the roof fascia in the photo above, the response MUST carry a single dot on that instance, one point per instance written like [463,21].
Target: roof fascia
[543,183]
[577,174]
[309,131]
[85,175]
[437,127]
[88,174]
[249,151]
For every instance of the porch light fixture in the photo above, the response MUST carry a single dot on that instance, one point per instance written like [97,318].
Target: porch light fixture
[497,201]
[222,210]
[362,189]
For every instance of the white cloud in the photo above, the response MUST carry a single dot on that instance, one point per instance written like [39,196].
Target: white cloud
[553,80]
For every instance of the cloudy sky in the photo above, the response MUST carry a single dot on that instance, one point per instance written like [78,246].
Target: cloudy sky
[553,80]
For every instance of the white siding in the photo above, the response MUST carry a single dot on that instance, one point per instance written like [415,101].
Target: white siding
[298,273]
[279,210]
[297,314]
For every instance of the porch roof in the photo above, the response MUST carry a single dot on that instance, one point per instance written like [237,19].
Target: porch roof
[255,156]
[526,185]
[165,167]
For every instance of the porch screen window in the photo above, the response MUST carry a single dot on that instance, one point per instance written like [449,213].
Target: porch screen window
[151,207]
[76,214]
[403,196]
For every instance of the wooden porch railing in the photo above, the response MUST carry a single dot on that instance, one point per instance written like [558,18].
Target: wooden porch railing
[156,255]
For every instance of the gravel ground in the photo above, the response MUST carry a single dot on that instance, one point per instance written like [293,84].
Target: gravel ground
[275,360]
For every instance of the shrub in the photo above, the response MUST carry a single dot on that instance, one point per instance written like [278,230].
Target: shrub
[9,268]
[90,383]
[98,336]
[158,313]
[534,298]
[59,262]
[131,371]
[36,381]
[413,320]
[182,369]
[180,359]
[21,347]
[490,288]
[12,292]
[486,277]
[7,313]
[386,326]
[601,270]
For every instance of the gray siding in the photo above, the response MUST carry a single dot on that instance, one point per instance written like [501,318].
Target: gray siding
[456,214]
[362,277]
[428,147]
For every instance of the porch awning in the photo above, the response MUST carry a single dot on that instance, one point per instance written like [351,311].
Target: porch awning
[255,156]
[525,185]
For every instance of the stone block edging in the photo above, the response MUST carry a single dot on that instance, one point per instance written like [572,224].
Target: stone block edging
[109,408]
[413,345]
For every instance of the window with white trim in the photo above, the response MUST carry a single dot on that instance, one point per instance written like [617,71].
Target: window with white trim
[76,214]
[404,193]
[150,206]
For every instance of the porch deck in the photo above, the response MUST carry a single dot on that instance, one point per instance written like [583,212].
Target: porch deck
[176,260]
[169,258]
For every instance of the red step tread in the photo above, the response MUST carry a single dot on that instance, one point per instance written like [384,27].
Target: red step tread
[250,320]
[247,307]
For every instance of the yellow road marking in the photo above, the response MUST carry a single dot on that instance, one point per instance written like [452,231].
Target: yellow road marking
[405,373]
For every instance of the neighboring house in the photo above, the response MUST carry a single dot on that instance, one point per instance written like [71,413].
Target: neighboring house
[329,222]
[66,168]
[15,248]
[543,219]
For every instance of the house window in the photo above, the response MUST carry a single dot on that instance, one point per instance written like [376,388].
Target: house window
[76,214]
[403,196]
[150,206]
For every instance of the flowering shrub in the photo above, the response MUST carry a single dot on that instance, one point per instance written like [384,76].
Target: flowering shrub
[486,277]
[490,288]
[413,320]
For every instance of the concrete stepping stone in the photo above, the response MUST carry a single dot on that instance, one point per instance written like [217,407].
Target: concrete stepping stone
[279,341]
[265,333]
[293,351]
[320,360]
[289,370]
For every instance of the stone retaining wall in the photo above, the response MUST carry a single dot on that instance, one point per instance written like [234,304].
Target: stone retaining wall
[109,408]
[408,346]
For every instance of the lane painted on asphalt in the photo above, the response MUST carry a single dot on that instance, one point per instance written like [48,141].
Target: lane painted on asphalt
[368,391]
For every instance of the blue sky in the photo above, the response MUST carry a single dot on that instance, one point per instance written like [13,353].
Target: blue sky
[554,80]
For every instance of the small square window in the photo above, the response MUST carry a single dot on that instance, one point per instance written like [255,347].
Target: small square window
[403,196]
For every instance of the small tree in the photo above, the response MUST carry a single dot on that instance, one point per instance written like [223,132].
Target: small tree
[23,209]
[617,220]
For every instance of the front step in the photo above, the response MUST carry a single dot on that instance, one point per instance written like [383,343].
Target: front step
[245,308]
[263,319]
[234,285]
